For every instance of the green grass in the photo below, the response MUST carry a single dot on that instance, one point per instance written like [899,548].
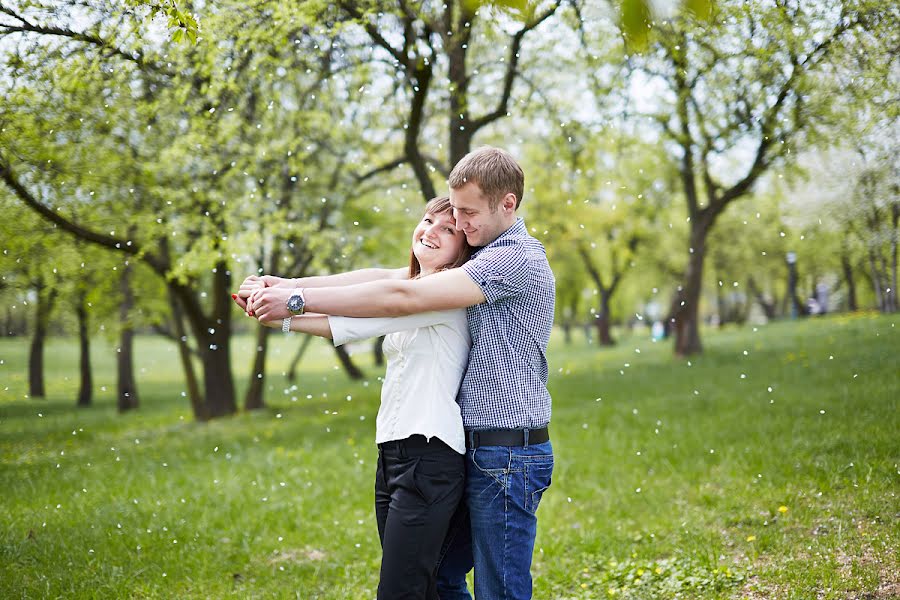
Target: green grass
[668,482]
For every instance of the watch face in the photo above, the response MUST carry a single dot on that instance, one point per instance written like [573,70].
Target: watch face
[295,303]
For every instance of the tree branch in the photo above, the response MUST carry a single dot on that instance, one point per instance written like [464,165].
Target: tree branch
[107,241]
[511,65]
[761,159]
[352,9]
[422,78]
[80,36]
[388,166]
[591,268]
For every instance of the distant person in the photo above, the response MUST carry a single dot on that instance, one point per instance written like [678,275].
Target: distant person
[822,297]
[508,290]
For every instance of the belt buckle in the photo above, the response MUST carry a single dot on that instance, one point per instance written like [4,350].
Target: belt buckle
[525,437]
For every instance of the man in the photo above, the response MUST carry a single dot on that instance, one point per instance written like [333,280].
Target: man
[509,290]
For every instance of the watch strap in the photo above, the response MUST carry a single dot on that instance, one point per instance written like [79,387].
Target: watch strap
[286,324]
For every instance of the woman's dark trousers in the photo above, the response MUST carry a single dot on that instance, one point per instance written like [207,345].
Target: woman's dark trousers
[418,486]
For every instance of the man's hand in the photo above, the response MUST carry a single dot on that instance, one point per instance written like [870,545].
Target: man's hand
[269,303]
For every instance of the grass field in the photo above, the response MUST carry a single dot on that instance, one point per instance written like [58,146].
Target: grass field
[769,467]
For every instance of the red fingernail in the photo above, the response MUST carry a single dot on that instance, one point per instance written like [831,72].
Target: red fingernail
[234,296]
[250,313]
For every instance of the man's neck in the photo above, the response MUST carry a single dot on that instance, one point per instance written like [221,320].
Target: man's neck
[508,226]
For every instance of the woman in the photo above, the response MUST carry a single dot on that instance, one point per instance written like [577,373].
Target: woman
[420,476]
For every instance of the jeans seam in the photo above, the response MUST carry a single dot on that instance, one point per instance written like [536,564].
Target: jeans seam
[528,497]
[506,548]
[506,544]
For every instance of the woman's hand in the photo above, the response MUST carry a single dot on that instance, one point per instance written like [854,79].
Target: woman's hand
[251,284]
[269,303]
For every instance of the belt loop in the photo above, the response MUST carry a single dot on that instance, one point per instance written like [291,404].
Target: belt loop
[526,437]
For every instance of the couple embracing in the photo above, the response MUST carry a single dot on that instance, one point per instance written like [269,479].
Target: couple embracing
[464,452]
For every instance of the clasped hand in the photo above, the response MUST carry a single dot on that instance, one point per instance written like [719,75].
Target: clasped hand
[258,297]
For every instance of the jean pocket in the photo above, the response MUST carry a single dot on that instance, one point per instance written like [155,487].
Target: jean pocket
[492,469]
[538,475]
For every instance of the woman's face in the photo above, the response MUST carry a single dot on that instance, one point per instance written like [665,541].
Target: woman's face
[436,241]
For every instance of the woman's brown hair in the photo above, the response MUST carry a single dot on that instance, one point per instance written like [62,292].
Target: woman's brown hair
[439,206]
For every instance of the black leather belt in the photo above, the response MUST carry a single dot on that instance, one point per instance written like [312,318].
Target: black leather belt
[506,437]
[413,442]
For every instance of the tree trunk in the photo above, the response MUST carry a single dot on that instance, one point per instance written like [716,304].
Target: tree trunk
[602,321]
[216,349]
[218,384]
[213,341]
[422,76]
[187,364]
[352,370]
[852,305]
[292,370]
[12,326]
[885,280]
[587,332]
[460,128]
[36,362]
[876,281]
[685,311]
[895,219]
[36,352]
[126,388]
[768,308]
[254,399]
[721,305]
[86,386]
[567,332]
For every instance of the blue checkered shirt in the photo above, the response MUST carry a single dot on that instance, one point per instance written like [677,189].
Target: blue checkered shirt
[505,385]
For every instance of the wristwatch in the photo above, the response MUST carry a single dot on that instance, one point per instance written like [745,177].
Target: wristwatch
[296,302]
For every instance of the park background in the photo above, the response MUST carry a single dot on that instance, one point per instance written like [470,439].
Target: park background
[718,189]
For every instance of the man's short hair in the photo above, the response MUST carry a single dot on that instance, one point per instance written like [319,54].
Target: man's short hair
[495,171]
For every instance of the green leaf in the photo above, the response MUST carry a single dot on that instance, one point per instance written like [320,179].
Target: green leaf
[701,9]
[635,19]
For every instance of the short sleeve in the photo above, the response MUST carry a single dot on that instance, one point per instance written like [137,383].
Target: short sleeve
[352,329]
[501,272]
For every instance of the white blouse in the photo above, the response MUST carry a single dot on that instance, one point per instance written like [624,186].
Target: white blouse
[427,355]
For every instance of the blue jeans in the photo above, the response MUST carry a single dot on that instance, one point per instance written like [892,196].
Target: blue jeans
[494,529]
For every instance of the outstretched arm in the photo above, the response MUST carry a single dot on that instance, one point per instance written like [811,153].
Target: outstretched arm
[255,282]
[385,298]
[352,329]
[312,324]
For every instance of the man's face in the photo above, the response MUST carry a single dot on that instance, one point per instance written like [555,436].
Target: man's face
[474,217]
